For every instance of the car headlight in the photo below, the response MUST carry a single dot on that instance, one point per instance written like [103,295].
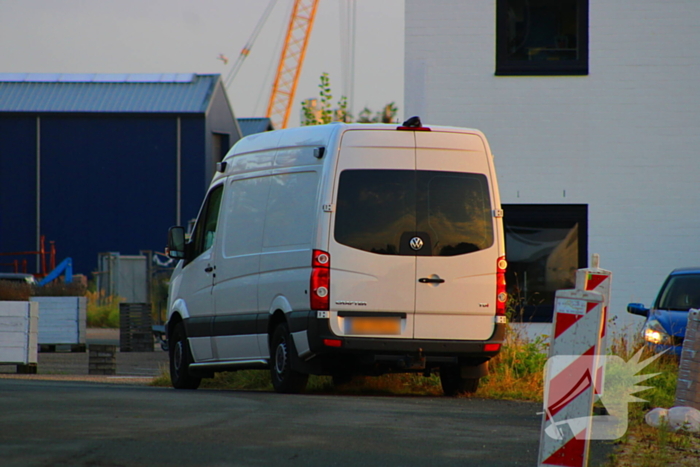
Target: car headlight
[654,333]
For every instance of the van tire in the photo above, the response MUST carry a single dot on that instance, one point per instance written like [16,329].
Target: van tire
[282,352]
[180,359]
[453,384]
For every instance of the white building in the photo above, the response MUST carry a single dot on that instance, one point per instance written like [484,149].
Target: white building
[592,109]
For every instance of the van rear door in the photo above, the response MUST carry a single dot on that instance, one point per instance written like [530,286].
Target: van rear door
[372,285]
[456,279]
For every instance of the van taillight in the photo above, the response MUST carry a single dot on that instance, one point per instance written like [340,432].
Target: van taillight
[320,280]
[501,294]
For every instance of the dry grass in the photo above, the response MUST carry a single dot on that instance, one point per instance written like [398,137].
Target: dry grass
[15,291]
[60,289]
[515,374]
[646,446]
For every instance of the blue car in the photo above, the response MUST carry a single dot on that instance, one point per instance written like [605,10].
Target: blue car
[667,319]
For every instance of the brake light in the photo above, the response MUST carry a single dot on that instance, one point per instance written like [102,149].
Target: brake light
[320,280]
[501,295]
[410,128]
[492,347]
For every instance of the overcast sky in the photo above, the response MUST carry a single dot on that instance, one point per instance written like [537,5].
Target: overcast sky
[181,36]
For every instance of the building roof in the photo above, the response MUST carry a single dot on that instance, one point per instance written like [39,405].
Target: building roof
[250,126]
[109,93]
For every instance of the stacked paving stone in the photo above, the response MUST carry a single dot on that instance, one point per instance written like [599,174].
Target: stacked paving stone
[688,386]
[102,360]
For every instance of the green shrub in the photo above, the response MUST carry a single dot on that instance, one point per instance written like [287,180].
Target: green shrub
[102,311]
[517,372]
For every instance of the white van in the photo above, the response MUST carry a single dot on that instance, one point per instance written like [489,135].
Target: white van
[340,250]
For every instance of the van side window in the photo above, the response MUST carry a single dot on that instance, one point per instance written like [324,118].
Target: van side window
[205,230]
[245,216]
[376,209]
[290,209]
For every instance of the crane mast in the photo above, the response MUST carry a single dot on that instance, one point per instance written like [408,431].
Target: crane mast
[291,59]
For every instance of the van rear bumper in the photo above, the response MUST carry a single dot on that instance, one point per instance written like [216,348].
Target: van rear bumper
[318,330]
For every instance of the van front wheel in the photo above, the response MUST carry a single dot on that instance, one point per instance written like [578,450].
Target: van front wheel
[453,384]
[180,359]
[284,378]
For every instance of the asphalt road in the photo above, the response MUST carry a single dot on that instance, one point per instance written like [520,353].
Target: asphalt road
[46,423]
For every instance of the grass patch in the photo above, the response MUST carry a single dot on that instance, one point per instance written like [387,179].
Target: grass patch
[102,311]
[646,446]
[259,380]
[516,374]
[393,384]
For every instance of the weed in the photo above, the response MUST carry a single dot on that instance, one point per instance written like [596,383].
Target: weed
[517,371]
[102,311]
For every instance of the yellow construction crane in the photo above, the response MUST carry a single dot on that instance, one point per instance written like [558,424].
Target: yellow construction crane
[291,59]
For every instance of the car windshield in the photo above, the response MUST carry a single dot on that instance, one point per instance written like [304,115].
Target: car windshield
[680,293]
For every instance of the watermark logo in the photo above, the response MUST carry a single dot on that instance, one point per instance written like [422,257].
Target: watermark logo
[573,382]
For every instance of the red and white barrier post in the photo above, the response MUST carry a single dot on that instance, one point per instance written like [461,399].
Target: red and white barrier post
[598,280]
[574,369]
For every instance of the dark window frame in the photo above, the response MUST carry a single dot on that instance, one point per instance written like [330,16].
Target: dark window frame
[510,67]
[543,213]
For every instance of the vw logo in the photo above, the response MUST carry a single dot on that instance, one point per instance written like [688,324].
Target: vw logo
[416,243]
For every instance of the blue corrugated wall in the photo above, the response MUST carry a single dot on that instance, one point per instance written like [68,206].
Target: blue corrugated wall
[107,182]
[194,180]
[17,186]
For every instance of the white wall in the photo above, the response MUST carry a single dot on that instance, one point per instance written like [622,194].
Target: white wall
[625,139]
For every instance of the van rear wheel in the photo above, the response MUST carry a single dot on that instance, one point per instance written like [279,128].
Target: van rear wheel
[453,384]
[180,359]
[284,378]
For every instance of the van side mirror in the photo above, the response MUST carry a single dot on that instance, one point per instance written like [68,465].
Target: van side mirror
[637,309]
[176,242]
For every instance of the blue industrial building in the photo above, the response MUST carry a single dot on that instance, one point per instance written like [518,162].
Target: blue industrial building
[106,162]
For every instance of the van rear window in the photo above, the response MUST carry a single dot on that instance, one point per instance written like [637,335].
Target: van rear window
[381,211]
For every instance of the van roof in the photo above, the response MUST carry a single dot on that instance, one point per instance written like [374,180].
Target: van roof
[320,134]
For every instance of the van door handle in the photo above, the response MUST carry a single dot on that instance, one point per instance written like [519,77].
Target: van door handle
[209,269]
[430,280]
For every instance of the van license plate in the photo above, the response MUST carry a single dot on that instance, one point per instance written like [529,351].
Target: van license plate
[379,325]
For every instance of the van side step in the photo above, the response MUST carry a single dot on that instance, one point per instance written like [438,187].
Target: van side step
[231,365]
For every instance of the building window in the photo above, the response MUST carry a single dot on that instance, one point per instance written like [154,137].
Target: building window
[541,37]
[545,245]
